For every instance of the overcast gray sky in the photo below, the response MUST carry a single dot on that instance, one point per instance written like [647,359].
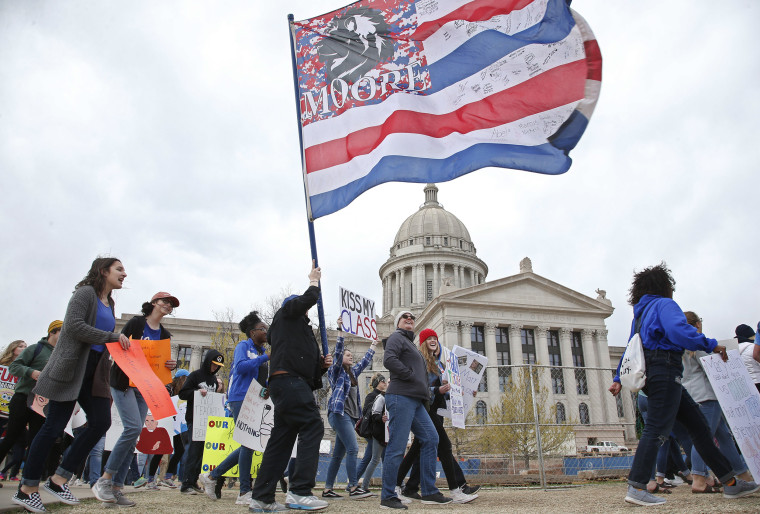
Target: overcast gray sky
[165,133]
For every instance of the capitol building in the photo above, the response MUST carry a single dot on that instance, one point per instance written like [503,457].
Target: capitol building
[433,270]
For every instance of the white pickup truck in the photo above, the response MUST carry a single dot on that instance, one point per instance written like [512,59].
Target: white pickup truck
[606,447]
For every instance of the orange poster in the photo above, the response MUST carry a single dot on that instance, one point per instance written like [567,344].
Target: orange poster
[134,363]
[157,353]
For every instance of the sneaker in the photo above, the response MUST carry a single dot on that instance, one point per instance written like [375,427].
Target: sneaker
[392,503]
[167,482]
[140,482]
[62,492]
[14,479]
[329,493]
[457,496]
[121,501]
[366,490]
[642,497]
[400,497]
[466,489]
[103,490]
[359,494]
[30,502]
[739,489]
[260,506]
[218,487]
[284,485]
[296,501]
[208,484]
[243,499]
[198,489]
[151,486]
[409,494]
[187,490]
[436,499]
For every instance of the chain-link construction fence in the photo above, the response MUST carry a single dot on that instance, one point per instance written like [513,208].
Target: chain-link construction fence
[539,425]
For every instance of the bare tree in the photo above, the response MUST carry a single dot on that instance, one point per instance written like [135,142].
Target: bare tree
[225,338]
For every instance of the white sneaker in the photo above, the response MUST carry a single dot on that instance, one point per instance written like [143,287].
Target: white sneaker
[404,499]
[208,484]
[243,499]
[295,501]
[103,490]
[457,496]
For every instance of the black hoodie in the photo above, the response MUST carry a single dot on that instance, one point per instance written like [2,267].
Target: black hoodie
[202,378]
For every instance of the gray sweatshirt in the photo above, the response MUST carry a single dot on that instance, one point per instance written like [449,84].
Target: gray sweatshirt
[406,366]
[695,379]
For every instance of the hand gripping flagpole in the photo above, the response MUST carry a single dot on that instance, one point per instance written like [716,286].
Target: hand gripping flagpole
[310,219]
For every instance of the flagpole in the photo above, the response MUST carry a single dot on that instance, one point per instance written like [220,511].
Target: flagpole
[309,219]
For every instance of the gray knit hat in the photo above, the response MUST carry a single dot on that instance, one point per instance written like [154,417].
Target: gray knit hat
[398,318]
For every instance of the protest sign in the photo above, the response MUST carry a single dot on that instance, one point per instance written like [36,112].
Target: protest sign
[133,362]
[740,402]
[157,353]
[451,375]
[472,366]
[204,406]
[255,419]
[154,437]
[38,404]
[218,444]
[7,386]
[180,423]
[77,419]
[358,315]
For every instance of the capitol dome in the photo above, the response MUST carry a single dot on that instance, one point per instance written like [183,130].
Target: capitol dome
[432,247]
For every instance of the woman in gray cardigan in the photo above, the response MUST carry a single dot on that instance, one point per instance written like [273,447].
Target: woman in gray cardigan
[78,371]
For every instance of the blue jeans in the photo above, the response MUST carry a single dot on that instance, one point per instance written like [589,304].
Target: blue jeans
[242,456]
[712,411]
[345,444]
[132,410]
[96,461]
[378,450]
[362,467]
[669,401]
[405,414]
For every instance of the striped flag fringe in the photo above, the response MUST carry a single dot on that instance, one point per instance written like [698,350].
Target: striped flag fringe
[429,90]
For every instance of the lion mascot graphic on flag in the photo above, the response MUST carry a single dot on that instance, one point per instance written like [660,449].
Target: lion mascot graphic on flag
[355,43]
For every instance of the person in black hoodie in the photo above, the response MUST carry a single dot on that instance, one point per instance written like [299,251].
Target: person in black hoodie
[203,380]
[295,371]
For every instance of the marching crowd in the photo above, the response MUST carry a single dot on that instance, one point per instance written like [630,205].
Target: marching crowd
[71,366]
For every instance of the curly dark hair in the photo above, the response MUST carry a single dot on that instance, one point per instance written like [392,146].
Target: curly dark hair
[96,276]
[249,323]
[656,280]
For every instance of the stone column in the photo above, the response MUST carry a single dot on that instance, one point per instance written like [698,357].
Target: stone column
[423,284]
[472,277]
[596,402]
[465,329]
[571,389]
[436,278]
[402,289]
[413,299]
[515,344]
[603,355]
[493,375]
[461,276]
[542,356]
[450,333]
[396,297]
[195,357]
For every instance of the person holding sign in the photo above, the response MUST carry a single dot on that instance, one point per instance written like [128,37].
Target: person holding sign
[250,363]
[129,401]
[76,372]
[343,410]
[407,400]
[697,384]
[295,371]
[439,390]
[665,335]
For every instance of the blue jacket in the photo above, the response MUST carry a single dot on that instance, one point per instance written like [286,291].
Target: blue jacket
[245,369]
[664,327]
[340,382]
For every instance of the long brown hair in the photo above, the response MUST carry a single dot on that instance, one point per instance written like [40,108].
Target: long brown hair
[96,277]
[427,353]
[8,356]
[347,369]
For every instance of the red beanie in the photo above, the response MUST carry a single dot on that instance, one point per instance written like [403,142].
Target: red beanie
[427,333]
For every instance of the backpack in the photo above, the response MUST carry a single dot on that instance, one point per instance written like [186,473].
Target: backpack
[633,370]
[363,425]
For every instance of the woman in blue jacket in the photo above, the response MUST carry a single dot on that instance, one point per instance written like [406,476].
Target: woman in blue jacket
[665,335]
[250,362]
[344,409]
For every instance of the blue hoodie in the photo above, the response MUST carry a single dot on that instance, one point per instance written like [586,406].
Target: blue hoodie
[664,327]
[245,369]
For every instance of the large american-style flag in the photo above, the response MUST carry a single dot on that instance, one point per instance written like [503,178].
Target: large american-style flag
[429,90]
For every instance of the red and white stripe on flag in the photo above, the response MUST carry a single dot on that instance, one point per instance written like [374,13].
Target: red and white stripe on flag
[429,90]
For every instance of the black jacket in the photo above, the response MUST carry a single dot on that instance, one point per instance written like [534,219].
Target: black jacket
[201,378]
[133,329]
[294,348]
[406,366]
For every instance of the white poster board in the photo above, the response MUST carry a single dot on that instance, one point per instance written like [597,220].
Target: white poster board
[114,432]
[740,401]
[255,420]
[358,314]
[204,406]
[472,366]
[451,375]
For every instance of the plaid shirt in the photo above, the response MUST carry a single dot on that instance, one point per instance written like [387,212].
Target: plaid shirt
[340,382]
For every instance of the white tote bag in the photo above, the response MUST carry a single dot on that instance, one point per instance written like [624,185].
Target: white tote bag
[633,368]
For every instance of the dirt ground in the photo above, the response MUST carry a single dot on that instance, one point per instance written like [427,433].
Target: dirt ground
[596,498]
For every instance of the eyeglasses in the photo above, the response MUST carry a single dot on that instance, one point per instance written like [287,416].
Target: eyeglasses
[262,329]
[407,316]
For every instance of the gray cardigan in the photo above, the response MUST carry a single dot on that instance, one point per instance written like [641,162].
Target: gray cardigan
[62,378]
